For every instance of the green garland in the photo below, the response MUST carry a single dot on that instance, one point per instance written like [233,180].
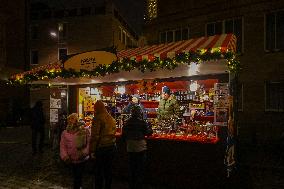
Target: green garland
[127,64]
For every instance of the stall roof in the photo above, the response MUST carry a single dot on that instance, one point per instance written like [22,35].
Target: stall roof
[221,43]
[168,50]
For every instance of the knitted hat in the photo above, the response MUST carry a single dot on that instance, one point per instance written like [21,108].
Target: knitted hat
[166,89]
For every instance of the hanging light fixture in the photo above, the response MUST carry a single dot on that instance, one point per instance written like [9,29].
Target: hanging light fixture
[120,89]
[193,86]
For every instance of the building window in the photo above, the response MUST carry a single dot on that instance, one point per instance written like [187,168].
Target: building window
[2,43]
[174,35]
[185,33]
[59,14]
[46,14]
[85,11]
[62,54]
[274,27]
[72,12]
[152,9]
[124,38]
[34,57]
[240,97]
[163,37]
[100,10]
[128,41]
[119,34]
[234,26]
[34,15]
[178,35]
[214,28]
[274,96]
[115,13]
[34,32]
[133,43]
[170,36]
[62,31]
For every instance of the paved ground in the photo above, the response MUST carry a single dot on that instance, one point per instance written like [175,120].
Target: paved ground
[261,168]
[264,165]
[20,170]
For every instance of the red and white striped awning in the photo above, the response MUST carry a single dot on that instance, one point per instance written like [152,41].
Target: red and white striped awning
[224,42]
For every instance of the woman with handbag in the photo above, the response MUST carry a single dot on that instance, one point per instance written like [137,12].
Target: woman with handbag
[74,148]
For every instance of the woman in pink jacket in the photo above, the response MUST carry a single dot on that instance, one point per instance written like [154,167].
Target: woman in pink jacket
[74,148]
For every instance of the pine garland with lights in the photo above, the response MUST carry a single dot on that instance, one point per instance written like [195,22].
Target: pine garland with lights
[127,64]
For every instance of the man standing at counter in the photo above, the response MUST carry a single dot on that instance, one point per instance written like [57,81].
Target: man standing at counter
[168,105]
[135,102]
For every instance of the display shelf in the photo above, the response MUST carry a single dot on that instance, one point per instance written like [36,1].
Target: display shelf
[204,118]
[149,101]
[201,118]
[152,114]
[150,104]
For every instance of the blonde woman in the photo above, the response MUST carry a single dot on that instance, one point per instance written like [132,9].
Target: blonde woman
[103,145]
[74,148]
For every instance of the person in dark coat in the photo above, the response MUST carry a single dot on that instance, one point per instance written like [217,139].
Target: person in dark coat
[135,102]
[37,125]
[134,132]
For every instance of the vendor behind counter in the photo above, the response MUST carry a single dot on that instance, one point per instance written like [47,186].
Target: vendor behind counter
[168,105]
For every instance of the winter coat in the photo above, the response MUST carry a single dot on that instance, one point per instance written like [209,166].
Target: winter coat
[127,109]
[136,129]
[134,132]
[37,118]
[75,145]
[168,108]
[104,128]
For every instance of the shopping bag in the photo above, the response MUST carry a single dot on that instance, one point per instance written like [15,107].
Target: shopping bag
[81,140]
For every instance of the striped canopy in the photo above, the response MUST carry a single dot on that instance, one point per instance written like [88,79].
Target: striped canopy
[224,42]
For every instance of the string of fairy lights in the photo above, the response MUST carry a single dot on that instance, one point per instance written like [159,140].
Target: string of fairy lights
[127,64]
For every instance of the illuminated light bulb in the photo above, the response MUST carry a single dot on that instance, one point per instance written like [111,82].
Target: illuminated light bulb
[53,34]
[120,89]
[193,86]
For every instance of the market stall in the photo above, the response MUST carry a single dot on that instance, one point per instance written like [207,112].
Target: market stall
[196,74]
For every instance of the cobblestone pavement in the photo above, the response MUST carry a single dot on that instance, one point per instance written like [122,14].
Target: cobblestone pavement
[264,165]
[261,168]
[20,170]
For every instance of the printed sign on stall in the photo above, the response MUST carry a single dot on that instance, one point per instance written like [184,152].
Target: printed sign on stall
[221,103]
[55,103]
[89,60]
[53,115]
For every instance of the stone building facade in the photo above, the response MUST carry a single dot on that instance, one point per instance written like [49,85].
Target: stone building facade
[13,44]
[259,27]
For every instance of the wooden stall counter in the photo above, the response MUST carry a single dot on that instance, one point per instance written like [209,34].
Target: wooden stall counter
[178,162]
